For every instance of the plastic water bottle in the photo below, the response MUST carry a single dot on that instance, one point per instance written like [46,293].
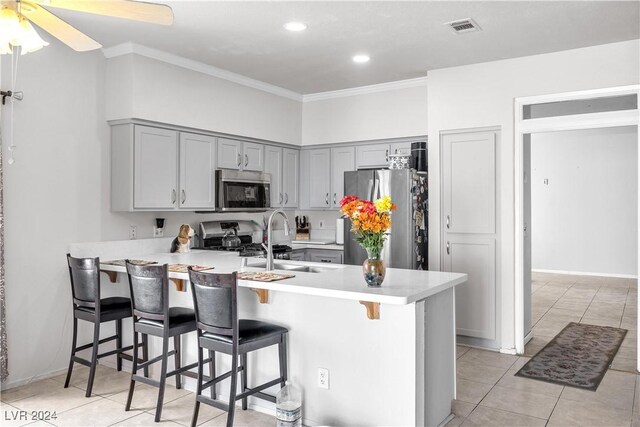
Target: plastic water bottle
[289,406]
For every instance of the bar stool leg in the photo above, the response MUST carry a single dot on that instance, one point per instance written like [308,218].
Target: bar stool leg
[163,377]
[94,356]
[196,408]
[282,353]
[243,379]
[134,370]
[145,353]
[119,344]
[212,372]
[176,358]
[73,351]
[232,392]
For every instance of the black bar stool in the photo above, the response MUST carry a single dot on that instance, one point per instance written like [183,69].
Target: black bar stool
[84,274]
[216,306]
[152,316]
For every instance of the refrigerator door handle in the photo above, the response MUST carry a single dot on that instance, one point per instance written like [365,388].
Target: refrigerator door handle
[370,189]
[376,191]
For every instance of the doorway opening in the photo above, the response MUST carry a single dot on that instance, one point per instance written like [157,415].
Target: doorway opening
[574,246]
[581,243]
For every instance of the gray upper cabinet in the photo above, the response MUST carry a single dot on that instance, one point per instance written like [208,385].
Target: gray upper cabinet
[273,166]
[240,155]
[319,178]
[283,164]
[155,153]
[253,157]
[372,156]
[290,174]
[342,160]
[197,171]
[229,153]
[161,169]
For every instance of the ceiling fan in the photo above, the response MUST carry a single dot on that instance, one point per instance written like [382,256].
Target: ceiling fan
[16,15]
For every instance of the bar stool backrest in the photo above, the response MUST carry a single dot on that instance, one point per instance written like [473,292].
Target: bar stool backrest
[149,286]
[215,302]
[84,274]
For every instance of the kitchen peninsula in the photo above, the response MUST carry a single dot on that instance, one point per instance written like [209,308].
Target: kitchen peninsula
[391,362]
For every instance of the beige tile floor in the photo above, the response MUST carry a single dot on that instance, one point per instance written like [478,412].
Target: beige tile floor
[106,406]
[490,395]
[488,392]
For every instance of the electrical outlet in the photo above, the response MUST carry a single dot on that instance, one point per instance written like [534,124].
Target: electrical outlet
[321,224]
[323,378]
[158,232]
[133,231]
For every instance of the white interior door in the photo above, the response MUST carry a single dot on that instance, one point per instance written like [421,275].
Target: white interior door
[197,171]
[469,185]
[155,168]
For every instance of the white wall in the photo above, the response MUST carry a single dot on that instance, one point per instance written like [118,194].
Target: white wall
[58,191]
[150,89]
[481,95]
[585,218]
[387,114]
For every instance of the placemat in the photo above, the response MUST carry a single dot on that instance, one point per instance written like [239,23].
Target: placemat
[262,276]
[121,262]
[182,268]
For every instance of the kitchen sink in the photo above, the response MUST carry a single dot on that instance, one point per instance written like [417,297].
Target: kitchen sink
[293,267]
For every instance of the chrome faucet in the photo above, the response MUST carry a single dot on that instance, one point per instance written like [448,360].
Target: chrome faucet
[269,246]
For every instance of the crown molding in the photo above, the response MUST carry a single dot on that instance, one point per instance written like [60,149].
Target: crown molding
[169,58]
[361,90]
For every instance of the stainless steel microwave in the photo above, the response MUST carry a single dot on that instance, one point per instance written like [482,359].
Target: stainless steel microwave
[242,191]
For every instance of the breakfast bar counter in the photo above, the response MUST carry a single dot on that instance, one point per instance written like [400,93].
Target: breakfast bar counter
[393,364]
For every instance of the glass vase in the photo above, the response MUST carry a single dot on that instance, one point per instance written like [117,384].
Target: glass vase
[373,268]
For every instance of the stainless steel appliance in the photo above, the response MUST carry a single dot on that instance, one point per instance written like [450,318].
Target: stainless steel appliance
[242,191]
[212,234]
[406,245]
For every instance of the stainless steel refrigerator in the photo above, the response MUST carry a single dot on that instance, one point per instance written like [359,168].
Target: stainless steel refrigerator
[406,245]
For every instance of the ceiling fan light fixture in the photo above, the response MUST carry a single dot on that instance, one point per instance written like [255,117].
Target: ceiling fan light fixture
[15,31]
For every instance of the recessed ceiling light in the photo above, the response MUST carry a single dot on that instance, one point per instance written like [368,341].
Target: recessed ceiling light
[295,26]
[361,59]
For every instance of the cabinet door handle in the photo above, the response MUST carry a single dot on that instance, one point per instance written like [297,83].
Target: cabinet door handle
[448,222]
[286,198]
[334,198]
[326,199]
[184,196]
[325,260]
[448,249]
[246,160]
[386,155]
[173,196]
[280,198]
[396,152]
[239,160]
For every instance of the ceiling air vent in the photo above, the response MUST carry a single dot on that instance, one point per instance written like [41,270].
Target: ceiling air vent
[466,25]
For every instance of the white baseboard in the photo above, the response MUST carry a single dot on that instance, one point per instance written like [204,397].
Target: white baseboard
[17,383]
[585,273]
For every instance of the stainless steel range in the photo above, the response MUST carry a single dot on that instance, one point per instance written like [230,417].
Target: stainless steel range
[219,236]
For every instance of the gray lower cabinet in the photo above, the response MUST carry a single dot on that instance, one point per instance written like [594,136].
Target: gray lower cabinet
[298,254]
[324,255]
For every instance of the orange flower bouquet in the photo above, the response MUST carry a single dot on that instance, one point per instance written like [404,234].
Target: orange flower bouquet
[370,222]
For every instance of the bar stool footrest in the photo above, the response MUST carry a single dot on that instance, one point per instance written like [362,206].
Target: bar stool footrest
[253,391]
[214,403]
[145,380]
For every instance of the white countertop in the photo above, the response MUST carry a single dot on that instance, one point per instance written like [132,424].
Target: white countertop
[330,246]
[400,286]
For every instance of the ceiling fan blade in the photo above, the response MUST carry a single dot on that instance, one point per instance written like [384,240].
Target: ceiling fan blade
[60,29]
[135,10]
